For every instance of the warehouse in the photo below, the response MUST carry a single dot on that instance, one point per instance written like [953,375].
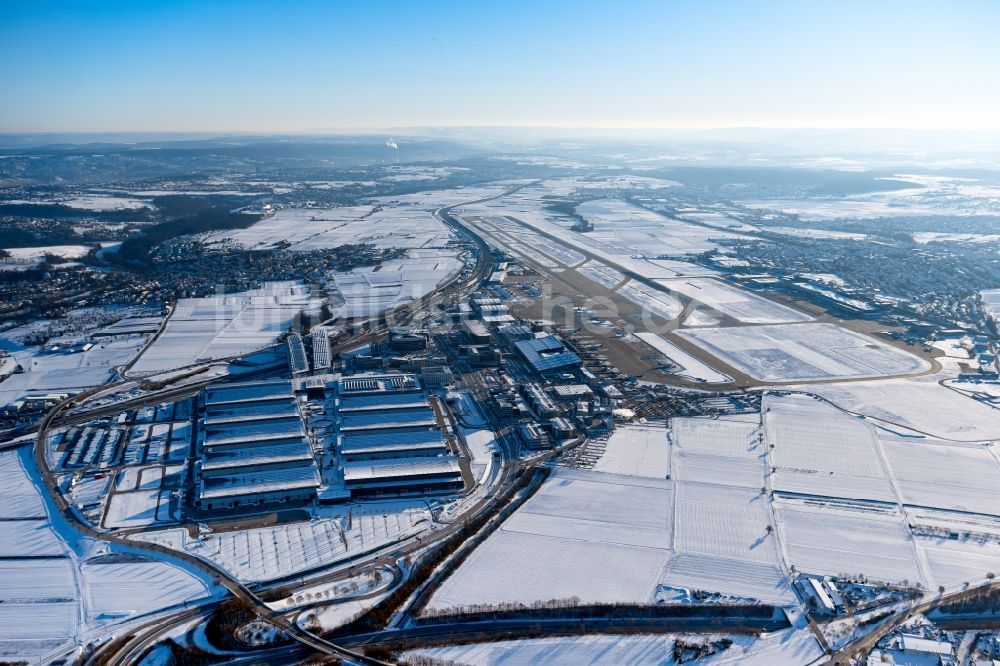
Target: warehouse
[253,489]
[388,445]
[388,419]
[402,476]
[256,392]
[253,448]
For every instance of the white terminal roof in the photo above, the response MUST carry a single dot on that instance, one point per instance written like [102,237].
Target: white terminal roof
[400,468]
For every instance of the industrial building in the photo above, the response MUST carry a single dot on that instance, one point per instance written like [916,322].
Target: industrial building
[253,448]
[402,476]
[390,439]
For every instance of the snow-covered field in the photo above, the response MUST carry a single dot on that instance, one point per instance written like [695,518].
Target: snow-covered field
[788,647]
[59,589]
[137,508]
[951,563]
[636,450]
[945,475]
[622,224]
[919,403]
[270,552]
[691,367]
[30,538]
[740,304]
[796,352]
[94,202]
[924,237]
[225,325]
[604,538]
[819,450]
[369,290]
[24,254]
[848,539]
[119,589]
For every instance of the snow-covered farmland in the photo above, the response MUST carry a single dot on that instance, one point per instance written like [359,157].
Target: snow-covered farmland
[724,521]
[19,499]
[225,325]
[790,646]
[819,450]
[59,589]
[836,538]
[724,436]
[718,451]
[952,563]
[690,367]
[31,580]
[720,541]
[919,403]
[636,450]
[371,289]
[945,475]
[796,352]
[604,537]
[120,588]
[94,202]
[30,537]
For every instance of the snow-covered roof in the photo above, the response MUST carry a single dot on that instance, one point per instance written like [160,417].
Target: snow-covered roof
[253,483]
[403,467]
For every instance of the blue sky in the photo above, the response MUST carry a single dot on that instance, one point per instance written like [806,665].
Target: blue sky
[306,66]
